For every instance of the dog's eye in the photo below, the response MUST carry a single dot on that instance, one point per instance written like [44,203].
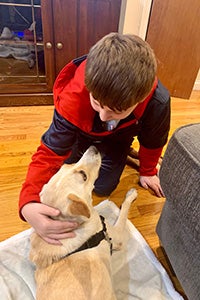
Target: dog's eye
[83,175]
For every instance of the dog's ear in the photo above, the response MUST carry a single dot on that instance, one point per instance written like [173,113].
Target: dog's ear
[78,207]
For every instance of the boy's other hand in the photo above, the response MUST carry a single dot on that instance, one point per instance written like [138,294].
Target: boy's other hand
[39,216]
[152,182]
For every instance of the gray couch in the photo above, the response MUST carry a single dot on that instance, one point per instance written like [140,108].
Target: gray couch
[179,225]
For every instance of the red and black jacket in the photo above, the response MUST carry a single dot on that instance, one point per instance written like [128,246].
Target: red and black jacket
[74,119]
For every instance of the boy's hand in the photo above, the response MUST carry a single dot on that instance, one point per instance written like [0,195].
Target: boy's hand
[152,182]
[39,216]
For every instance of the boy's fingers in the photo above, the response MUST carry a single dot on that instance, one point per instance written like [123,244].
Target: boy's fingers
[52,241]
[63,226]
[50,211]
[55,238]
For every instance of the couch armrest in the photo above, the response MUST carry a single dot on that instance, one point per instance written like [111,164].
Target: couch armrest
[180,174]
[179,224]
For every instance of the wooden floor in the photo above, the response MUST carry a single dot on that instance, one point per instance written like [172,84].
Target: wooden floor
[20,131]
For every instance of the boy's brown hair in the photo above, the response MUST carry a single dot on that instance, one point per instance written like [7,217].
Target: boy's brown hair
[120,70]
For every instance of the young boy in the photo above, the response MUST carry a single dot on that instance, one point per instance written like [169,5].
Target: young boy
[104,99]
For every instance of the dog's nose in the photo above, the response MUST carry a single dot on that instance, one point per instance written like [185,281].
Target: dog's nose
[94,149]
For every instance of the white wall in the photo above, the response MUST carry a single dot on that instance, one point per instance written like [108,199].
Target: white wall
[197,82]
[134,17]
[134,20]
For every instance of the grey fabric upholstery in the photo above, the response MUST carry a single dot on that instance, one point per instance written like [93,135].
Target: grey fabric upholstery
[179,225]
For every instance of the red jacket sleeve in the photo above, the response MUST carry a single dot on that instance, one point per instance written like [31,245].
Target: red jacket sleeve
[149,160]
[45,163]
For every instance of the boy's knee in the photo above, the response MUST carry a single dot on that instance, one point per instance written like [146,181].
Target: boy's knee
[104,190]
[101,193]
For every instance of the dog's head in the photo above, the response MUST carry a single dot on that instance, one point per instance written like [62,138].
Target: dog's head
[70,189]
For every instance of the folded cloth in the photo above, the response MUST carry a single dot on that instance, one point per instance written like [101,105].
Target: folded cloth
[137,274]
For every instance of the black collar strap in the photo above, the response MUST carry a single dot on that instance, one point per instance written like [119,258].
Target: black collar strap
[95,240]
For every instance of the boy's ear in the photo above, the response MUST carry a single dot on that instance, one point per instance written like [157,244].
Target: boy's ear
[78,207]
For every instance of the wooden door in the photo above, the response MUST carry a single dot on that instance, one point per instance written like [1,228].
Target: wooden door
[173,33]
[65,31]
[48,41]
[96,19]
[79,24]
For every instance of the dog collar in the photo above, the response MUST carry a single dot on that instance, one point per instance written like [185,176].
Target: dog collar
[95,240]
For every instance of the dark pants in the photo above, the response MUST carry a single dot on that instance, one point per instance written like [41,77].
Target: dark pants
[109,175]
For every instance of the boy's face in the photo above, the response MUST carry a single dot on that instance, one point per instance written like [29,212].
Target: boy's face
[106,114]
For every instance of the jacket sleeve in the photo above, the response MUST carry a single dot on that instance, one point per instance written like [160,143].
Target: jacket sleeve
[148,160]
[155,125]
[55,148]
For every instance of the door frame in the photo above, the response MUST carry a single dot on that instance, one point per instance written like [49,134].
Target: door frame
[134,17]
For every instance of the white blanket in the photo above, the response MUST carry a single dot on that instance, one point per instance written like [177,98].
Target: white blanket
[137,272]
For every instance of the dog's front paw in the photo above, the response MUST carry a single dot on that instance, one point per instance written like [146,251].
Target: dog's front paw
[131,195]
